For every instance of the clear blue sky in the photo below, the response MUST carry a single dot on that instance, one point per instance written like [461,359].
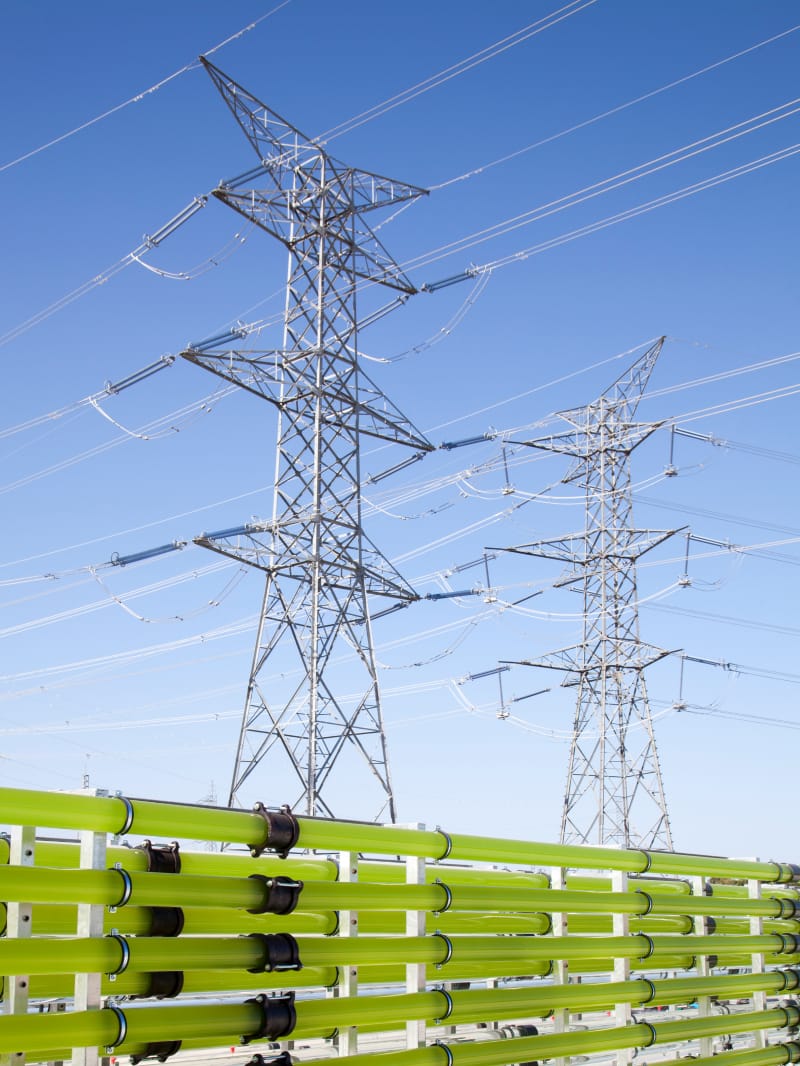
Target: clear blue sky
[150,705]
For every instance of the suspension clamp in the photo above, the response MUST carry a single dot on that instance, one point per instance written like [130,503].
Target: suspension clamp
[280,894]
[278,1017]
[283,830]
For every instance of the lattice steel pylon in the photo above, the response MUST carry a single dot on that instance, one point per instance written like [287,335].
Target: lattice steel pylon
[614,792]
[319,724]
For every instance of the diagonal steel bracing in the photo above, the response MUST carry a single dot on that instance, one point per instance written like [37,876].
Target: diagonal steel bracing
[321,718]
[614,792]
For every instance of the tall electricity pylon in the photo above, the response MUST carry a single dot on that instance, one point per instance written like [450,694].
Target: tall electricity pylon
[321,718]
[614,792]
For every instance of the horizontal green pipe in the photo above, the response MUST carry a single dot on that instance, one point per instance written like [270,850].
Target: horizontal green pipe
[108,887]
[66,855]
[772,1055]
[115,815]
[213,1022]
[60,919]
[199,981]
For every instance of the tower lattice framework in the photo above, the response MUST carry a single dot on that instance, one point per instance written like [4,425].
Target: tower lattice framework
[614,792]
[318,724]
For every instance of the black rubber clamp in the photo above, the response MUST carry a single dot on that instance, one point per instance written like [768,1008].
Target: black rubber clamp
[448,843]
[162,984]
[283,830]
[158,1049]
[127,887]
[280,894]
[652,995]
[788,908]
[126,954]
[792,1050]
[166,921]
[126,825]
[449,946]
[651,946]
[448,1003]
[648,859]
[281,952]
[284,1059]
[709,925]
[712,961]
[278,1017]
[163,858]
[448,897]
[122,1022]
[649,900]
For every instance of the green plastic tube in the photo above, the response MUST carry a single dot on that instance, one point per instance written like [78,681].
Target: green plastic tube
[120,815]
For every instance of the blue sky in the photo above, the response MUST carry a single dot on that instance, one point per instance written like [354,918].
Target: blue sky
[136,677]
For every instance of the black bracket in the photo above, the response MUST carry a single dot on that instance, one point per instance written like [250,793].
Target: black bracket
[280,894]
[278,1017]
[166,921]
[160,1050]
[281,952]
[163,984]
[283,830]
[284,1059]
[163,858]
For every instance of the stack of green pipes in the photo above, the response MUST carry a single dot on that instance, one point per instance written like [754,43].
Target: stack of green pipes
[258,931]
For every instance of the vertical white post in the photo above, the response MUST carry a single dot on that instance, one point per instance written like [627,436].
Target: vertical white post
[88,996]
[702,966]
[621,926]
[18,923]
[558,882]
[415,926]
[757,964]
[347,1038]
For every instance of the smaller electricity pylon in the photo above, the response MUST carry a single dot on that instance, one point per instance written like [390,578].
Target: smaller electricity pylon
[614,792]
[316,721]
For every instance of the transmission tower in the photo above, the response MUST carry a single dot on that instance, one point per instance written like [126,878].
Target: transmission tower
[614,792]
[318,724]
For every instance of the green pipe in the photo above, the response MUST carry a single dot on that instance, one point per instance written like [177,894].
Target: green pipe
[117,815]
[61,920]
[114,887]
[66,855]
[55,986]
[42,955]
[142,1025]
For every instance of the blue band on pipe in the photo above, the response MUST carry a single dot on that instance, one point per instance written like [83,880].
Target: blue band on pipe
[649,900]
[122,1021]
[448,897]
[449,945]
[128,816]
[126,956]
[127,887]
[652,995]
[448,843]
[650,943]
[445,1049]
[449,1003]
